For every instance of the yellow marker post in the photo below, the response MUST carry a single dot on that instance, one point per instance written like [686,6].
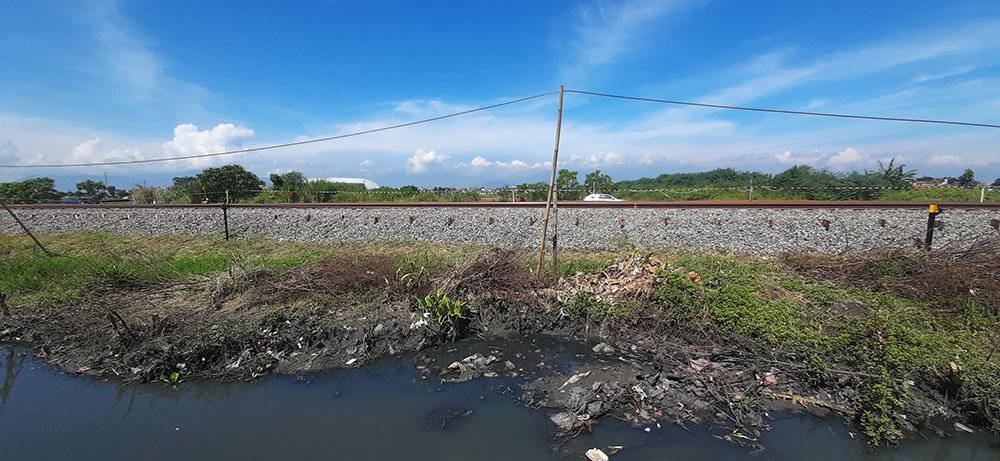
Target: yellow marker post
[932,212]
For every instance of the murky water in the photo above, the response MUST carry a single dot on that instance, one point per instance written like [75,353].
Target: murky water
[387,410]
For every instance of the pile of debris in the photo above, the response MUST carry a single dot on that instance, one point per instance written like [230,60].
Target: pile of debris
[632,277]
[337,273]
[496,274]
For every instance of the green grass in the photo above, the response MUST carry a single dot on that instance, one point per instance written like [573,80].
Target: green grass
[570,263]
[89,261]
[894,339]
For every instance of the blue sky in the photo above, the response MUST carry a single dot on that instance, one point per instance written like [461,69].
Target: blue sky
[106,80]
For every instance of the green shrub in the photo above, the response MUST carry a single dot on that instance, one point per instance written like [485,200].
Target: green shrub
[446,312]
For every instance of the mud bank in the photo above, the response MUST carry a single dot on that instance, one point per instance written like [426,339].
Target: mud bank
[666,338]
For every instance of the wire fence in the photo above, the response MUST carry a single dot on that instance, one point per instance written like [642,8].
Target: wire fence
[518,194]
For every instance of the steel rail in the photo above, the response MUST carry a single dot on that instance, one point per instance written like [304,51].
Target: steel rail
[856,204]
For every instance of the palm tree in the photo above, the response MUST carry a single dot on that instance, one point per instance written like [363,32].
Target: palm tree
[896,175]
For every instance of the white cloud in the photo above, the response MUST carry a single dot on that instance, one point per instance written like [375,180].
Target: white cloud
[768,73]
[961,70]
[365,164]
[945,160]
[788,157]
[596,160]
[188,140]
[126,57]
[422,159]
[846,157]
[480,163]
[93,150]
[606,31]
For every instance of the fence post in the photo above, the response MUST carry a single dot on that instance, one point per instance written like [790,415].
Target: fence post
[26,230]
[225,219]
[932,212]
[552,183]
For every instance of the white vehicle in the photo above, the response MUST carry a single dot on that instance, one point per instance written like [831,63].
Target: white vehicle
[601,198]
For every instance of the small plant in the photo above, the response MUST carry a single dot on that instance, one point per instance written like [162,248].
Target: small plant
[879,404]
[446,312]
[590,305]
[405,281]
[176,376]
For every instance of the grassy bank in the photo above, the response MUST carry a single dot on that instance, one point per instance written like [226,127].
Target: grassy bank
[853,326]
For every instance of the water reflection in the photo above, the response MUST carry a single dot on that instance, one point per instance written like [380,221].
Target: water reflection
[12,366]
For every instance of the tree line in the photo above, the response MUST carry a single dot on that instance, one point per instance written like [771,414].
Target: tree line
[799,181]
[234,183]
[44,190]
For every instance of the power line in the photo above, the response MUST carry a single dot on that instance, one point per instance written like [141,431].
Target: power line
[783,111]
[287,144]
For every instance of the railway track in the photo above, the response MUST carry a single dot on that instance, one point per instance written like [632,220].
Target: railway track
[562,204]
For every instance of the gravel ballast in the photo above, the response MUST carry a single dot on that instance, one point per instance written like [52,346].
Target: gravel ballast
[742,230]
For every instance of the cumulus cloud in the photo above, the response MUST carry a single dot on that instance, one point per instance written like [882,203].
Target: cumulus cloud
[188,140]
[596,160]
[93,150]
[846,157]
[422,159]
[479,163]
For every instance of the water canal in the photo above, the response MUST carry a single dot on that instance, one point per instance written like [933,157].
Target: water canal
[390,409]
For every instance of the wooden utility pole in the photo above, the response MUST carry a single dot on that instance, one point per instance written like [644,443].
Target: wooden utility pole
[26,230]
[552,190]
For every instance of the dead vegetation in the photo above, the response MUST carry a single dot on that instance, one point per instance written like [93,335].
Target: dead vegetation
[337,273]
[496,274]
[944,276]
[628,279]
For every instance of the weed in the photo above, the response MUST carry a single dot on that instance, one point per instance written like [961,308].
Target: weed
[447,313]
[590,305]
[879,404]
[575,264]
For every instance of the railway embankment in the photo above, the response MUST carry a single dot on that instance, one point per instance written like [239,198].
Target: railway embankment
[752,228]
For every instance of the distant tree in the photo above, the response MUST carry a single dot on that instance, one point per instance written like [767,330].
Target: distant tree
[409,189]
[293,180]
[806,181]
[95,190]
[861,186]
[532,192]
[719,177]
[186,186]
[566,182]
[30,190]
[180,182]
[234,179]
[996,182]
[968,178]
[598,182]
[896,176]
[567,179]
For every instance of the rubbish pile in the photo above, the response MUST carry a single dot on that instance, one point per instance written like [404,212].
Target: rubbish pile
[633,277]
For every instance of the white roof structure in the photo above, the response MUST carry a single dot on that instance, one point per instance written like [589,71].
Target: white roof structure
[368,183]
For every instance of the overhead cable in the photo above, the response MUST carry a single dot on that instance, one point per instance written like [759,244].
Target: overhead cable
[287,144]
[784,111]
